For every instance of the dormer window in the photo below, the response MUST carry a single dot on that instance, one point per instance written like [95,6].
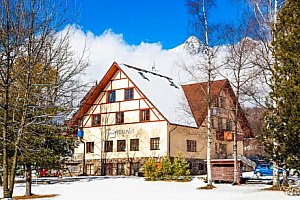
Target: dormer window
[129,94]
[111,96]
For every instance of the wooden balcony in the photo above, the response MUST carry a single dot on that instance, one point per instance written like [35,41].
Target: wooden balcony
[227,135]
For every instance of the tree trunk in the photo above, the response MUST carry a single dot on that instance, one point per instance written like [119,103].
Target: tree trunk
[276,182]
[284,177]
[7,193]
[236,174]
[236,178]
[209,136]
[209,141]
[28,177]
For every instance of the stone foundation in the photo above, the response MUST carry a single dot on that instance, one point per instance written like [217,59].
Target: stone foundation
[126,167]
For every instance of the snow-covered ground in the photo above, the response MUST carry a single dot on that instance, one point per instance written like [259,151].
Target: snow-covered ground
[132,188]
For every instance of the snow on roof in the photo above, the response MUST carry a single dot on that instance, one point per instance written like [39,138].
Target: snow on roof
[163,93]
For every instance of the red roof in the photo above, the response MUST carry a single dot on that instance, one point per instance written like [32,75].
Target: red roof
[196,95]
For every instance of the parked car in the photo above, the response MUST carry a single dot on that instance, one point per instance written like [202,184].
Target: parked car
[294,172]
[265,170]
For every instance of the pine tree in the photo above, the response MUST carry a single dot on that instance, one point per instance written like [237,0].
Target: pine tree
[150,169]
[180,167]
[167,168]
[282,132]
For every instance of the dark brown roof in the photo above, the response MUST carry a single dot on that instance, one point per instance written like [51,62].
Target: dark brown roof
[196,95]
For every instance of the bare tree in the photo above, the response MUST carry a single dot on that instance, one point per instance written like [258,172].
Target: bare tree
[205,68]
[32,48]
[238,68]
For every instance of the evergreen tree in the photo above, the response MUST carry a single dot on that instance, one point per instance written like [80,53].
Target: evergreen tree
[180,167]
[150,169]
[282,133]
[167,168]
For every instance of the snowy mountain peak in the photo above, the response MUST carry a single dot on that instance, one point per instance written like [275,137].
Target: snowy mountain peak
[192,39]
[193,45]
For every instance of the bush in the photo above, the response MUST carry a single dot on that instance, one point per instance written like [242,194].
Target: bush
[167,170]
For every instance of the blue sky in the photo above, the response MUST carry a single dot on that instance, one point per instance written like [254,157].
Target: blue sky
[152,21]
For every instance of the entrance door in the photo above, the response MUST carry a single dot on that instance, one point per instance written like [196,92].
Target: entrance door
[134,168]
[121,169]
[109,169]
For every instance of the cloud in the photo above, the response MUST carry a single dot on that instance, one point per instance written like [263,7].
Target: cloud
[111,47]
[108,47]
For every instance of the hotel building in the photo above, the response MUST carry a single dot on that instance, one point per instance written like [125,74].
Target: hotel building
[134,114]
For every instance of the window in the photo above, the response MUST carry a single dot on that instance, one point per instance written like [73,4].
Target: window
[111,96]
[216,111]
[129,94]
[120,169]
[120,118]
[121,144]
[96,120]
[220,123]
[221,150]
[89,147]
[134,144]
[201,166]
[191,145]
[219,102]
[154,143]
[216,103]
[228,125]
[145,115]
[224,121]
[213,123]
[108,146]
[90,169]
[222,102]
[220,135]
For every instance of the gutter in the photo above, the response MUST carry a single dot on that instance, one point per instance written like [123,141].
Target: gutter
[169,145]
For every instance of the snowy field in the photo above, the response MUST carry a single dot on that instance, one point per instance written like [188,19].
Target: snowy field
[131,188]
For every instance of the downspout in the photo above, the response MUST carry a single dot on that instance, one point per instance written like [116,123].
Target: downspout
[169,145]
